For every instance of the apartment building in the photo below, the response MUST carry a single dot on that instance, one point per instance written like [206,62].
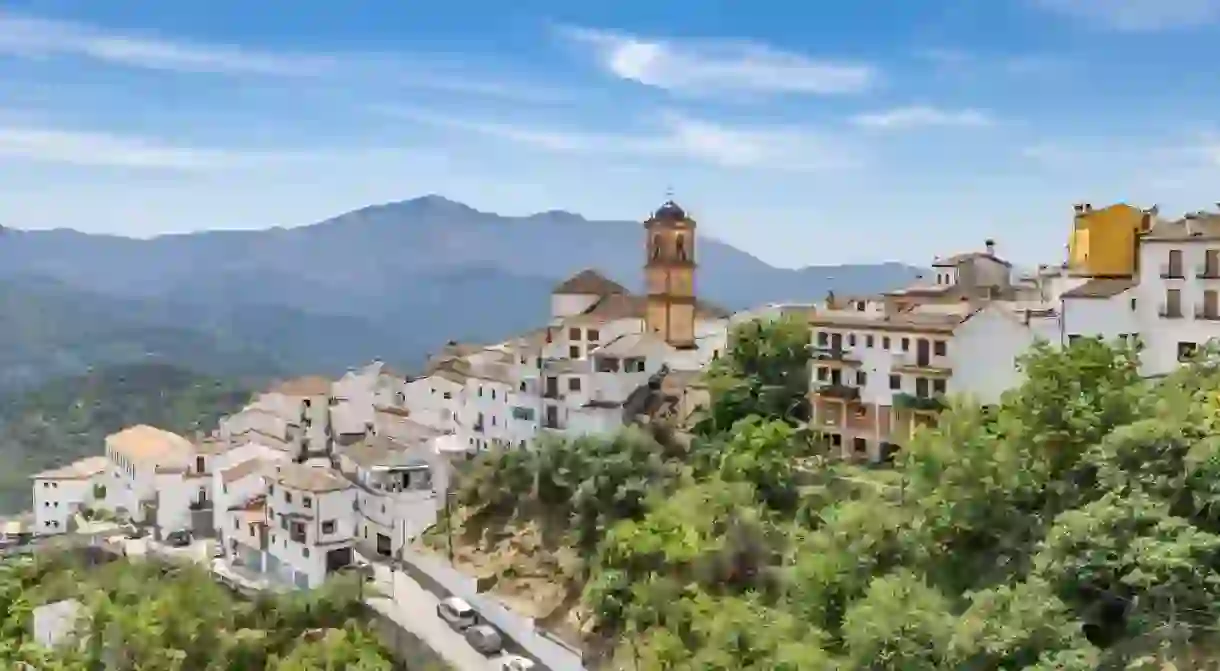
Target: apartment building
[398,489]
[61,492]
[150,477]
[310,524]
[1177,298]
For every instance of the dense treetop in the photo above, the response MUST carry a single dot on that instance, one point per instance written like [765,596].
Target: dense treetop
[1071,526]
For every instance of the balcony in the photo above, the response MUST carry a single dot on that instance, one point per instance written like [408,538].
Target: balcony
[1170,311]
[834,354]
[1208,272]
[918,403]
[1172,271]
[552,393]
[1211,314]
[840,391]
[927,366]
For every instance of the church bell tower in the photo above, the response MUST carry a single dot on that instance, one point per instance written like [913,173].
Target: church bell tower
[669,272]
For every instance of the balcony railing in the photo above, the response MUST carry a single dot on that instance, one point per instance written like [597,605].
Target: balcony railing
[832,354]
[840,391]
[1208,272]
[1172,271]
[913,402]
[1170,311]
[551,393]
[1210,314]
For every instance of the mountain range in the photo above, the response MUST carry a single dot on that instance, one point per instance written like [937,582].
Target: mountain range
[392,281]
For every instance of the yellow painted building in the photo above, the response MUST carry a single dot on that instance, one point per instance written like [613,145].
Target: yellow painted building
[1103,241]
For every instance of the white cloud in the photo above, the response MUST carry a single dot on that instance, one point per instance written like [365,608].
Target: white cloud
[919,116]
[1137,15]
[719,66]
[672,135]
[96,149]
[37,38]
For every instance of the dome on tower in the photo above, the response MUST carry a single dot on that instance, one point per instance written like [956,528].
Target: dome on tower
[669,211]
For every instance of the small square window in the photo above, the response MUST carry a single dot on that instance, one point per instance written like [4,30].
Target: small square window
[868,341]
[328,527]
[573,352]
[861,378]
[573,384]
[885,343]
[938,387]
[906,344]
[896,382]
[940,347]
[823,373]
[851,339]
[308,501]
[574,334]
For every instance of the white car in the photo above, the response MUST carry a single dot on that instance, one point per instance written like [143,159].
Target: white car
[516,663]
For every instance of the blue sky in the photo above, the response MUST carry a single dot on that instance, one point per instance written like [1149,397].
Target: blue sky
[804,133]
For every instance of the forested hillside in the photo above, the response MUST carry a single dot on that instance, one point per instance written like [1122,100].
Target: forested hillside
[1073,526]
[69,418]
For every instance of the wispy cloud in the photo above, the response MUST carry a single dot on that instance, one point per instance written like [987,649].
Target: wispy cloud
[97,149]
[671,135]
[1137,15]
[38,38]
[704,67]
[920,116]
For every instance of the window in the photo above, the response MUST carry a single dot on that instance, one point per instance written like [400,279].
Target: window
[305,552]
[939,347]
[859,445]
[538,362]
[308,501]
[885,342]
[522,386]
[906,344]
[823,373]
[1173,269]
[861,411]
[1186,350]
[523,361]
[593,335]
[573,384]
[1133,305]
[921,387]
[823,338]
[1173,303]
[851,339]
[573,352]
[287,496]
[283,522]
[448,396]
[861,378]
[938,387]
[480,393]
[493,394]
[896,382]
[634,365]
[328,527]
[836,440]
[573,334]
[868,341]
[199,465]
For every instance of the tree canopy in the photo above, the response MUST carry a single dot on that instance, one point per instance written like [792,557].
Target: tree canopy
[1074,525]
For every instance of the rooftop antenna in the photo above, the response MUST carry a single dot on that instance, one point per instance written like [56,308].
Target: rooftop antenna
[669,193]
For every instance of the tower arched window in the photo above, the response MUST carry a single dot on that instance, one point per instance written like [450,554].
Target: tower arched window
[656,246]
[680,245]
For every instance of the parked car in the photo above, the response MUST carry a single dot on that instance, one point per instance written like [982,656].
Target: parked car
[218,552]
[517,663]
[485,639]
[458,614]
[178,539]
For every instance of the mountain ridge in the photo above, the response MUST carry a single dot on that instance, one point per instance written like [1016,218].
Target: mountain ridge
[392,280]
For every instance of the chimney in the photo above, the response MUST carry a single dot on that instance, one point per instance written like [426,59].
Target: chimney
[989,244]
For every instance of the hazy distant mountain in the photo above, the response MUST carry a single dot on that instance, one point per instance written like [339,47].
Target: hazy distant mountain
[394,280]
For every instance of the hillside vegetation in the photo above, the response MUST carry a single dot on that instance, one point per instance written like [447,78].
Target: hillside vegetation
[151,617]
[69,418]
[1071,527]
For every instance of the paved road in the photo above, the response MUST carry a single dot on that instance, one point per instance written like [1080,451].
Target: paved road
[414,608]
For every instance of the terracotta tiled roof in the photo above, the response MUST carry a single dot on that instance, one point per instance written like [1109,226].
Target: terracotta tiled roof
[309,478]
[913,320]
[383,451]
[312,385]
[589,282]
[241,470]
[967,256]
[391,410]
[1100,287]
[148,443]
[82,469]
[1205,226]
[211,445]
